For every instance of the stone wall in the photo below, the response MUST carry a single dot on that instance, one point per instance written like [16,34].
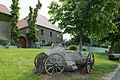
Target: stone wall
[4,30]
[56,36]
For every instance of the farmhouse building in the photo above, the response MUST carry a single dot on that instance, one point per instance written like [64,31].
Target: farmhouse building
[47,32]
[4,23]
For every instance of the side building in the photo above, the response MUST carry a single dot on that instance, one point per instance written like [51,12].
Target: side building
[5,17]
[47,32]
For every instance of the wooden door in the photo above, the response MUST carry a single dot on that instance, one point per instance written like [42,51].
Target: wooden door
[22,42]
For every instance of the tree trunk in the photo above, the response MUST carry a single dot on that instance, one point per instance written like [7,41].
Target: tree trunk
[112,48]
[80,42]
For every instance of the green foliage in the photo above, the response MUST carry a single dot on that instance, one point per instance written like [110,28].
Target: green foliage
[73,47]
[84,49]
[5,17]
[117,48]
[114,37]
[91,17]
[14,20]
[76,39]
[31,29]
[85,17]
[3,42]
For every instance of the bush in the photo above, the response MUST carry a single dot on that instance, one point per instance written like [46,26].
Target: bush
[117,47]
[84,49]
[73,47]
[3,42]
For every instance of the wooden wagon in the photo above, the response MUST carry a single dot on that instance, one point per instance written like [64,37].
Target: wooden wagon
[56,60]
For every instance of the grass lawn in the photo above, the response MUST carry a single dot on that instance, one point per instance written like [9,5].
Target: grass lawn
[17,64]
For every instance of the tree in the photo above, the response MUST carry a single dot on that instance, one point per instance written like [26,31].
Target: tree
[76,38]
[14,20]
[31,32]
[113,37]
[89,17]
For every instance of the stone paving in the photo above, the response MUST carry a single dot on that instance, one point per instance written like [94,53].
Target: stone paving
[113,75]
[117,76]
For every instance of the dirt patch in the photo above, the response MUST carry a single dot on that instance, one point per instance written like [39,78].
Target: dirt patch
[77,74]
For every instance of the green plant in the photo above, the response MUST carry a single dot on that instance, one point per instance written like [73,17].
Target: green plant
[73,47]
[85,17]
[117,48]
[31,32]
[4,17]
[3,42]
[13,22]
[84,49]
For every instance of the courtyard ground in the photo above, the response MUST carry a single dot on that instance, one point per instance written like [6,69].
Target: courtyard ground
[117,74]
[17,64]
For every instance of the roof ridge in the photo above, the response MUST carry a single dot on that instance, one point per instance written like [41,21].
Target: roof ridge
[43,22]
[2,5]
[8,12]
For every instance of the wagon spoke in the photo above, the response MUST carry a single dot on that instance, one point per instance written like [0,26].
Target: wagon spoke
[49,64]
[50,68]
[51,61]
[57,59]
[56,70]
[59,68]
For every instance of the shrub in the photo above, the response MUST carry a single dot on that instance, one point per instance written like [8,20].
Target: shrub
[73,47]
[117,47]
[84,49]
[3,42]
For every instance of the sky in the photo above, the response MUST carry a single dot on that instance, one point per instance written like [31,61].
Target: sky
[24,9]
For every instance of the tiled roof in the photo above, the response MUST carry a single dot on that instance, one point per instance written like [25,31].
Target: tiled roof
[3,9]
[41,20]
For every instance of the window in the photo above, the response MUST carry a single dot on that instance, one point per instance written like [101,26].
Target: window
[50,34]
[58,36]
[43,42]
[42,32]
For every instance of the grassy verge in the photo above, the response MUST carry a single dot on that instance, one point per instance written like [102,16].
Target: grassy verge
[17,64]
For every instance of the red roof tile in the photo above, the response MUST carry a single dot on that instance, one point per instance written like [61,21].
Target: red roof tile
[41,20]
[3,9]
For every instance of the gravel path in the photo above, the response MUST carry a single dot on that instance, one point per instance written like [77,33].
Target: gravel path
[113,75]
[117,76]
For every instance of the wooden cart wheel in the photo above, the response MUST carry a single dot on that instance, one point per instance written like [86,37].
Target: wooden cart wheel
[55,64]
[39,62]
[89,63]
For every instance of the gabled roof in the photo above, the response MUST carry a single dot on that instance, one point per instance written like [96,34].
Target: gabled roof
[41,20]
[3,9]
